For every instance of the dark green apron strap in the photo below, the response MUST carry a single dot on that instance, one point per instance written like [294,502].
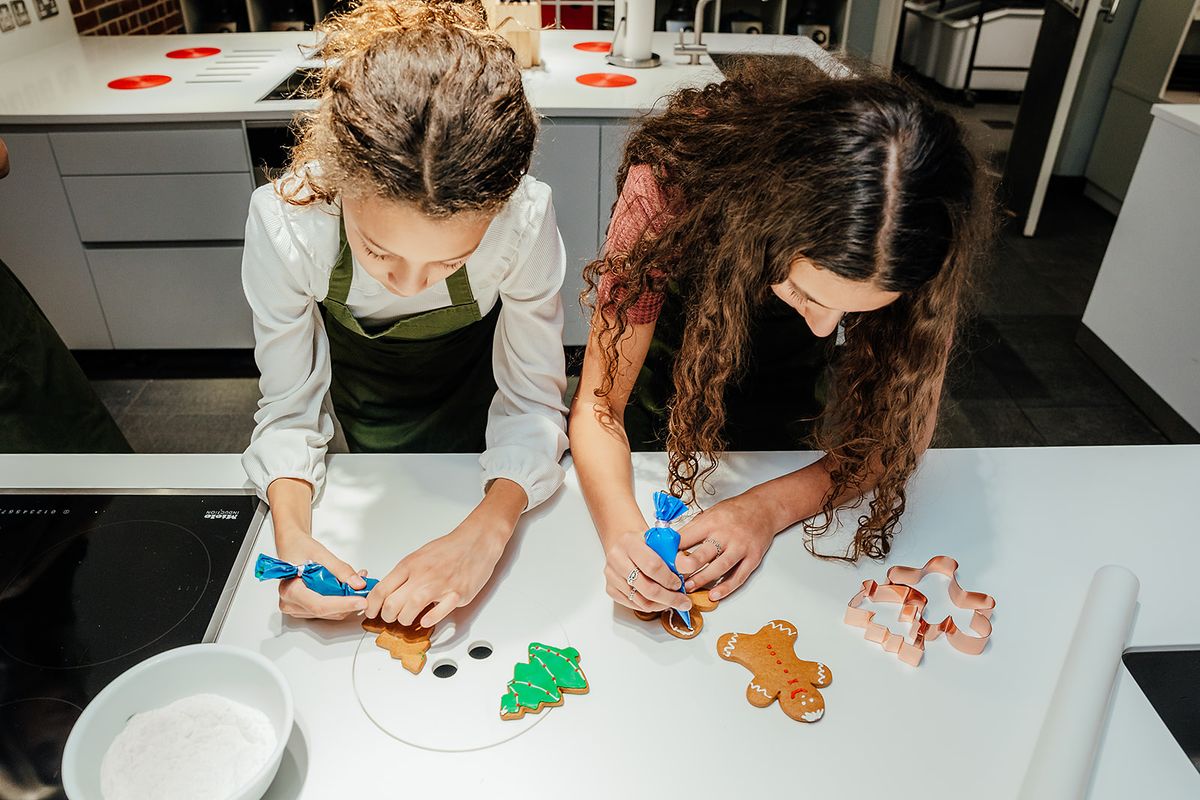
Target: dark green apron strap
[460,287]
[343,269]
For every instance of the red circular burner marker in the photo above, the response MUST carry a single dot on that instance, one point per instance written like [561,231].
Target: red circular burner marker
[606,80]
[594,47]
[139,82]
[194,52]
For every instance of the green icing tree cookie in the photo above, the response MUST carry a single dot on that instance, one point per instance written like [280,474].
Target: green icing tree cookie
[561,664]
[542,681]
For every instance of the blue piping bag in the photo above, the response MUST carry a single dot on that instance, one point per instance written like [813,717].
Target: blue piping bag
[664,540]
[315,576]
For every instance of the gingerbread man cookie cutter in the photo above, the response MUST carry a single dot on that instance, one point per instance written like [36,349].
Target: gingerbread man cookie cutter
[901,588]
[779,674]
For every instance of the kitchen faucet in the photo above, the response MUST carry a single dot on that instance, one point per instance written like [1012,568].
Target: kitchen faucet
[697,48]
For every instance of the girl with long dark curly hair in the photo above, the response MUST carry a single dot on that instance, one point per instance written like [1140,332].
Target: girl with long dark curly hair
[784,269]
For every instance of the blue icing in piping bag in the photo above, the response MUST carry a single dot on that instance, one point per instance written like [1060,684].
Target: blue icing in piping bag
[315,577]
[664,540]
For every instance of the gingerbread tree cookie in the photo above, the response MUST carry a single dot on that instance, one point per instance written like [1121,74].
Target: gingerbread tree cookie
[778,673]
[406,643]
[542,681]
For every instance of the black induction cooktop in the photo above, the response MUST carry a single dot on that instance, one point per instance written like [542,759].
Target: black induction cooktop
[91,584]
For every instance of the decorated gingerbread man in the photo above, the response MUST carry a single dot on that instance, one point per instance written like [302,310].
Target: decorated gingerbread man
[778,673]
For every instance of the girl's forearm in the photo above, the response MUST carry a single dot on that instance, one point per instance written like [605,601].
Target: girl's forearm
[291,508]
[498,512]
[796,496]
[600,452]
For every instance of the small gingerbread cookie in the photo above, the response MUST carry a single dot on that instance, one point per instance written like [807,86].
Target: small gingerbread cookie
[778,673]
[406,643]
[673,623]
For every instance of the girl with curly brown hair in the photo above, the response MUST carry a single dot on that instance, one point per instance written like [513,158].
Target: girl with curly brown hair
[784,268]
[404,278]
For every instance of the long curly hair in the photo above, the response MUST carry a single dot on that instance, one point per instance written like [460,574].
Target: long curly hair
[863,175]
[419,102]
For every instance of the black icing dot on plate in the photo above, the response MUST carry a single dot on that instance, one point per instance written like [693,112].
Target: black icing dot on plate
[445,669]
[480,651]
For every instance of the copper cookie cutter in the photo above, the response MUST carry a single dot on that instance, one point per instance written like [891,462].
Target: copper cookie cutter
[900,588]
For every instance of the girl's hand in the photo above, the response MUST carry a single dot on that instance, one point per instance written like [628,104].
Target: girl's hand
[657,588]
[727,541]
[297,600]
[446,573]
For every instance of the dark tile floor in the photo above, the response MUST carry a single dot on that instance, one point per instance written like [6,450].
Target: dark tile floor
[1018,379]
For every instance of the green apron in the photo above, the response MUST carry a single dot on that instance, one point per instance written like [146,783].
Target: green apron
[771,407]
[46,402]
[422,384]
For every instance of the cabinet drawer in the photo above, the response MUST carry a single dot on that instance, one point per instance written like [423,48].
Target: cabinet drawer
[173,297]
[156,208]
[124,152]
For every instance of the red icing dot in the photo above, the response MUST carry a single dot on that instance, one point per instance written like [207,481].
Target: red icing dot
[785,672]
[139,82]
[777,661]
[194,52]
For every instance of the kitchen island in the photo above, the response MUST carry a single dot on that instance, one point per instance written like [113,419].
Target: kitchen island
[183,157]
[1028,526]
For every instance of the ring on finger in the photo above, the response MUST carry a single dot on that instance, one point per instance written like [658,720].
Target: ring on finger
[632,592]
[715,544]
[633,576]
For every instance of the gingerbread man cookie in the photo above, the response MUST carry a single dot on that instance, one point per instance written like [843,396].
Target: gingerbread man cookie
[407,643]
[778,673]
[673,624]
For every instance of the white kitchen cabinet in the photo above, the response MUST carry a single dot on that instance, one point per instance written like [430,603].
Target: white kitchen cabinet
[124,151]
[173,297]
[39,243]
[568,158]
[158,208]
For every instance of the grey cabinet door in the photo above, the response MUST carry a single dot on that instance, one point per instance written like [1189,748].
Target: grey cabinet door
[39,243]
[173,297]
[567,158]
[147,152]
[160,208]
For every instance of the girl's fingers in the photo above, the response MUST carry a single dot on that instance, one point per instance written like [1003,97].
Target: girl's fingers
[338,607]
[652,567]
[382,591]
[719,566]
[740,575]
[636,603]
[446,604]
[698,557]
[695,531]
[415,605]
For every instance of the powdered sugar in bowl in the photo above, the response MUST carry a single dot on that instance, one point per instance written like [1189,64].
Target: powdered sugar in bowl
[241,687]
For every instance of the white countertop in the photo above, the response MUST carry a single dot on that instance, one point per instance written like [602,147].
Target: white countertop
[1028,526]
[1185,115]
[67,84]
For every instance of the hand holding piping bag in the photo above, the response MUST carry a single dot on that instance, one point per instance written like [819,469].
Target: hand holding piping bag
[664,540]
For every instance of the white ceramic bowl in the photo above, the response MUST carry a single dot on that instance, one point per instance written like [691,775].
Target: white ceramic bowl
[240,675]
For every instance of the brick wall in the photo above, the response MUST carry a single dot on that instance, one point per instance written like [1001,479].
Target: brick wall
[115,17]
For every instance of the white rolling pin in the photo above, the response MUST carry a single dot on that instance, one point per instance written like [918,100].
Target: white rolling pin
[1061,766]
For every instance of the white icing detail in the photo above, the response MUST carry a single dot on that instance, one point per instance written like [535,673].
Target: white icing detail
[783,628]
[813,716]
[760,690]
[820,672]
[727,651]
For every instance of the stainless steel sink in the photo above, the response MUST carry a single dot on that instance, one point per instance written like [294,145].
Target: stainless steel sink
[1170,679]
[723,61]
